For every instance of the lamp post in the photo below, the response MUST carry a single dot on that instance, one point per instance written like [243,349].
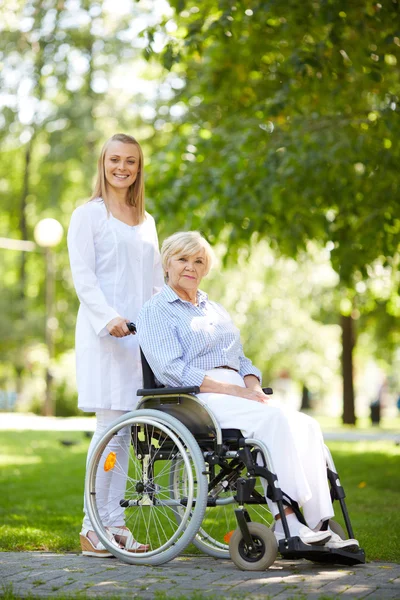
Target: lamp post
[48,233]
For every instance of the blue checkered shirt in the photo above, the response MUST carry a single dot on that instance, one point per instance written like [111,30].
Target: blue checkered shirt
[182,341]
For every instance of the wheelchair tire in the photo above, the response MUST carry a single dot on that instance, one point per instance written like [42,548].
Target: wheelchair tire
[337,528]
[146,440]
[265,552]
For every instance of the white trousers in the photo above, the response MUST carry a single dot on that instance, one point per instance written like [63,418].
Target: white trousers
[294,441]
[110,485]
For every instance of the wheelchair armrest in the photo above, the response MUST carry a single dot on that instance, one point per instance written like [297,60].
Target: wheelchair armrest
[163,391]
[268,391]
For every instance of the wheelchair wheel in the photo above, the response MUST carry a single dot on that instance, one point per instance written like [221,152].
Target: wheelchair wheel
[219,522]
[263,553]
[143,444]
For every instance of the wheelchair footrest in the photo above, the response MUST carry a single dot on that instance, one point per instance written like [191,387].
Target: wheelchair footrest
[294,548]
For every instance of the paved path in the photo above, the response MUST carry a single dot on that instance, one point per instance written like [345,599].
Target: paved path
[46,575]
[20,421]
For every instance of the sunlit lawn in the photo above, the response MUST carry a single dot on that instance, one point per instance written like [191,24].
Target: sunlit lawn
[42,490]
[41,483]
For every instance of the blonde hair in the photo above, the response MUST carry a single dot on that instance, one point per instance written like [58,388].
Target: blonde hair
[135,196]
[186,243]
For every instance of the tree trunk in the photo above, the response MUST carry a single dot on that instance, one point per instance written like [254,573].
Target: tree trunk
[19,366]
[22,216]
[305,398]
[349,416]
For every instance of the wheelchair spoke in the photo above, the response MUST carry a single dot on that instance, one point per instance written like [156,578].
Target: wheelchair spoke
[220,521]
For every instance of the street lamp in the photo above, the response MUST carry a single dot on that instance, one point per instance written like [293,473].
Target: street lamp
[48,233]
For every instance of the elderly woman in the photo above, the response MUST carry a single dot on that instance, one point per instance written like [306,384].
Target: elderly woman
[189,340]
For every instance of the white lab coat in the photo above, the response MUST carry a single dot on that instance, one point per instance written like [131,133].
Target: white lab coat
[116,268]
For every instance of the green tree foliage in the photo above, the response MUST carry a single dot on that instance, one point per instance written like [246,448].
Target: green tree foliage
[288,126]
[58,103]
[284,127]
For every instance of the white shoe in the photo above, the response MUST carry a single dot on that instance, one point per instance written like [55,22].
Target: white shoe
[336,543]
[308,536]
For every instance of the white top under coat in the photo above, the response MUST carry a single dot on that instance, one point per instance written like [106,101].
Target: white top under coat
[116,268]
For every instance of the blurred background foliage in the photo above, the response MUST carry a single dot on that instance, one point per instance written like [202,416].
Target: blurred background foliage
[271,127]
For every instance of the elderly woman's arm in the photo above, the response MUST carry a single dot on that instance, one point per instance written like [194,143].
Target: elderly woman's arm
[160,343]
[159,340]
[252,391]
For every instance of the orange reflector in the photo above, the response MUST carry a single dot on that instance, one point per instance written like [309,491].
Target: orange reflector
[110,461]
[227,536]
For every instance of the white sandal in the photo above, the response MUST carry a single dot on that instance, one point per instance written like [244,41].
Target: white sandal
[124,537]
[90,549]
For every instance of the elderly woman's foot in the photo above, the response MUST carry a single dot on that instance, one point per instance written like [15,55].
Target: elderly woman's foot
[336,543]
[124,537]
[297,529]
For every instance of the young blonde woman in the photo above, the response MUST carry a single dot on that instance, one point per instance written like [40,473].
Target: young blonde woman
[116,268]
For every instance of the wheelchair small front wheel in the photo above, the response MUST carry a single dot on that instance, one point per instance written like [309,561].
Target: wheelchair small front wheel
[263,552]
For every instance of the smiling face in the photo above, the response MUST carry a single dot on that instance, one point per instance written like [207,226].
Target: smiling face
[121,165]
[186,272]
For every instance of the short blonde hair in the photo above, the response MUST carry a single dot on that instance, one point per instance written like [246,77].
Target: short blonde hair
[136,190]
[186,243]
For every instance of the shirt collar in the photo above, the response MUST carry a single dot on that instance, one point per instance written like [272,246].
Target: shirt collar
[172,296]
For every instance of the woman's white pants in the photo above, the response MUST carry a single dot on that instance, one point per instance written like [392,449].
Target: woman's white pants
[294,441]
[110,485]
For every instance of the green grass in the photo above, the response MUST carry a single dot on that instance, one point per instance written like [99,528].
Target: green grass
[42,490]
[370,475]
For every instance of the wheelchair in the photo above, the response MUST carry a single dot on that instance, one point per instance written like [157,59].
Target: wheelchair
[189,481]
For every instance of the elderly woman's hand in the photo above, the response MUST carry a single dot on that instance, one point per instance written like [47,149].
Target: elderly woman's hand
[253,390]
[250,394]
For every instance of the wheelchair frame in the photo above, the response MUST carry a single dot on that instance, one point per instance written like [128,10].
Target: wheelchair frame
[187,430]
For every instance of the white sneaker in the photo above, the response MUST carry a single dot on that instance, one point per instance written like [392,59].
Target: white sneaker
[336,543]
[308,536]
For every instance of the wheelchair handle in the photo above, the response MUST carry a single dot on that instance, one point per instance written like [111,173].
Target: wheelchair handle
[132,327]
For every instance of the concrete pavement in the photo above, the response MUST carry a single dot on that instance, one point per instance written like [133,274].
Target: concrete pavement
[46,575]
[20,421]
